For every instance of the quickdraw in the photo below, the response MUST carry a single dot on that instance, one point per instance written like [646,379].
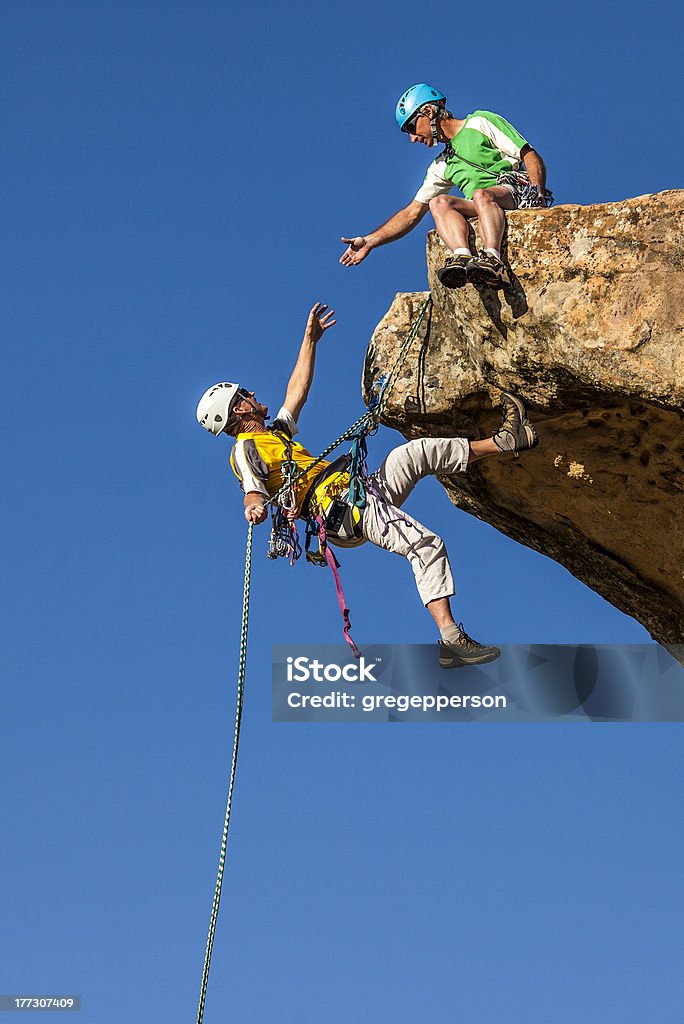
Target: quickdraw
[358,470]
[284,540]
[317,557]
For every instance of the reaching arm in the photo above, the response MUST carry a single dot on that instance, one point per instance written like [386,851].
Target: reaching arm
[298,388]
[398,225]
[535,167]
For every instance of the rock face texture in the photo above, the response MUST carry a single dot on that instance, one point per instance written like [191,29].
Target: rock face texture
[591,334]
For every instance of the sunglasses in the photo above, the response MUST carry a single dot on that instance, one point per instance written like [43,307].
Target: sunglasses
[410,126]
[240,395]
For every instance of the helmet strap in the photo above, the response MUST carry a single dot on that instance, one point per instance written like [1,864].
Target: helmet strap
[436,127]
[247,421]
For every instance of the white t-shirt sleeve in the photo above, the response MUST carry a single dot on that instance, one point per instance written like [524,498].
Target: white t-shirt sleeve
[286,421]
[508,145]
[434,183]
[249,467]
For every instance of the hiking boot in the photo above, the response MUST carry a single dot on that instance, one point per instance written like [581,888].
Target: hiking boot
[487,270]
[454,273]
[465,651]
[516,433]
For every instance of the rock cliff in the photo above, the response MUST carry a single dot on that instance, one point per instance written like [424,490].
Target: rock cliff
[590,334]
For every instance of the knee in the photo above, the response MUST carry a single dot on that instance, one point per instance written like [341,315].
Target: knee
[482,197]
[430,554]
[430,455]
[440,205]
[423,455]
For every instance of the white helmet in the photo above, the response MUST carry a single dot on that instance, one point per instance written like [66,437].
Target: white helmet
[213,408]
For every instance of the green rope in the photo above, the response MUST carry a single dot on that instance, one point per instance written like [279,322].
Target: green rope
[236,739]
[403,352]
[368,419]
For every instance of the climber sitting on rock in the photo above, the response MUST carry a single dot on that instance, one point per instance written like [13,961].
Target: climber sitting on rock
[482,156]
[259,452]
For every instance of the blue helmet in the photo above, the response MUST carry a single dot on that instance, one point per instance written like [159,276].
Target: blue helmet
[413,99]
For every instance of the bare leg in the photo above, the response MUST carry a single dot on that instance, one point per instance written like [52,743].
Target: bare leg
[478,449]
[440,610]
[489,204]
[451,216]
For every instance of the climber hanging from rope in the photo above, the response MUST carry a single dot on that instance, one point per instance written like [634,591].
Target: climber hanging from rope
[263,456]
[482,156]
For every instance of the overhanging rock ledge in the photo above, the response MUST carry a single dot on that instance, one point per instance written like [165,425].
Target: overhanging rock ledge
[590,334]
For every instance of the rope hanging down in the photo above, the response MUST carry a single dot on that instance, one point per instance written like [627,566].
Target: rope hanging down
[361,426]
[242,665]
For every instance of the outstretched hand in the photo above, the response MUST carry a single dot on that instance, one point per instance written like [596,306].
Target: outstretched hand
[319,321]
[357,250]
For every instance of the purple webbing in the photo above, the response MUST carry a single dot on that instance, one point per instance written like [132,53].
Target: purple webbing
[372,488]
[295,546]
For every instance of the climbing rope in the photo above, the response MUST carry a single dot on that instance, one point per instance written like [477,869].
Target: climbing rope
[359,428]
[372,416]
[393,375]
[242,664]
[284,539]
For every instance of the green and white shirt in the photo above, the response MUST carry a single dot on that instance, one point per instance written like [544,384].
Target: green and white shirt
[486,139]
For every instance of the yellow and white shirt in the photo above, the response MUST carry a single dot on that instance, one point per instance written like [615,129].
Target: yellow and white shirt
[257,456]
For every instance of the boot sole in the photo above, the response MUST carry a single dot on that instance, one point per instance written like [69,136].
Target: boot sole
[463,663]
[531,437]
[486,279]
[452,278]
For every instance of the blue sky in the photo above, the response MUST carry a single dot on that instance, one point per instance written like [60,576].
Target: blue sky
[177,178]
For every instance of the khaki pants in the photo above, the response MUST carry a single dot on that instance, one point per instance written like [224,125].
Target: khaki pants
[384,525]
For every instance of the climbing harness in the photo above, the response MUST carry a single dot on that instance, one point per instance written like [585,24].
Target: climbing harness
[284,540]
[336,517]
[282,543]
[526,195]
